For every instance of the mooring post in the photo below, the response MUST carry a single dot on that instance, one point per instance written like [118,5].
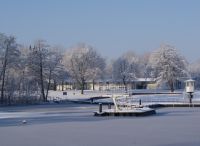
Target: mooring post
[190,95]
[109,106]
[140,102]
[92,100]
[100,107]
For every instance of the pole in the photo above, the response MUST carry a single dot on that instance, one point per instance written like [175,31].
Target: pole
[100,107]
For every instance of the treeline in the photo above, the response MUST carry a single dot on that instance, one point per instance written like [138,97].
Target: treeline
[27,73]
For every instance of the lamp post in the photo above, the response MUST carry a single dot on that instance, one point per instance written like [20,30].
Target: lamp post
[189,88]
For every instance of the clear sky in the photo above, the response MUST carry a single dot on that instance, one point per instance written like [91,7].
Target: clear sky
[111,26]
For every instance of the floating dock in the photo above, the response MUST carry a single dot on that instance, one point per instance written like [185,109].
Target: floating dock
[124,109]
[144,111]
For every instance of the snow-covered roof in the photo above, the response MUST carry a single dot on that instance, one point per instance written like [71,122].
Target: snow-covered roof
[119,80]
[190,80]
[145,79]
[70,80]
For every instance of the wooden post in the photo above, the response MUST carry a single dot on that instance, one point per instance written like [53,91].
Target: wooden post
[100,107]
[109,106]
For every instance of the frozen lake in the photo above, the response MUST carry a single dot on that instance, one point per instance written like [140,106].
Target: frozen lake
[75,125]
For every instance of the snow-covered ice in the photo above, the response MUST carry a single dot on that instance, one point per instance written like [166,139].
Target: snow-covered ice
[74,125]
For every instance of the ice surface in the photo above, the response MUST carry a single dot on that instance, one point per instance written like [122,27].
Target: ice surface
[75,125]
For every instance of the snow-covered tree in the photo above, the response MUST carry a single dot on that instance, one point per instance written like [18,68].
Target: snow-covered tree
[83,64]
[108,74]
[44,65]
[53,67]
[97,67]
[195,72]
[26,84]
[125,68]
[9,57]
[145,68]
[168,65]
[37,62]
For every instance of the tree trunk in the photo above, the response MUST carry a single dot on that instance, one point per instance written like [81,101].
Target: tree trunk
[3,75]
[171,85]
[20,87]
[9,100]
[62,85]
[125,85]
[82,86]
[42,89]
[54,86]
[48,86]
[42,80]
[93,84]
[2,87]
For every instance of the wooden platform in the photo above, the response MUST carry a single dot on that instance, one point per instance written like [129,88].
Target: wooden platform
[132,112]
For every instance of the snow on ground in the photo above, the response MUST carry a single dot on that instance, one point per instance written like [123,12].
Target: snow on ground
[178,97]
[73,95]
[74,125]
[164,98]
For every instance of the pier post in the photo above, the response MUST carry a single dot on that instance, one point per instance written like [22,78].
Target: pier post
[100,107]
[140,102]
[109,106]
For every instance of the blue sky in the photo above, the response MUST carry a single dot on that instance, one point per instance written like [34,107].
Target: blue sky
[111,26]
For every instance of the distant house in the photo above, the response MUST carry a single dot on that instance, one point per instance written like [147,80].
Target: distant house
[63,87]
[140,83]
[101,85]
[68,84]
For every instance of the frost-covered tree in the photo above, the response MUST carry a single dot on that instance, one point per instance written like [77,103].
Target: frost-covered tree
[195,72]
[145,68]
[37,64]
[168,65]
[44,64]
[97,67]
[125,68]
[9,57]
[108,74]
[27,85]
[53,67]
[83,64]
